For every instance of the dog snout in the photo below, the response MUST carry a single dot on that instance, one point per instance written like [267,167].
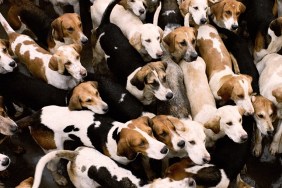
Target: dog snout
[206,159]
[203,20]
[269,133]
[5,162]
[105,109]
[159,54]
[234,26]
[83,73]
[194,56]
[164,150]
[12,64]
[142,11]
[84,40]
[244,138]
[181,144]
[169,95]
[14,129]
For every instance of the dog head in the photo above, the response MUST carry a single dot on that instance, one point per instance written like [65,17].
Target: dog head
[195,139]
[197,10]
[67,60]
[181,43]
[68,28]
[7,64]
[7,125]
[136,6]
[264,115]
[164,129]
[147,41]
[225,13]
[231,122]
[137,137]
[151,78]
[86,96]
[237,88]
[4,162]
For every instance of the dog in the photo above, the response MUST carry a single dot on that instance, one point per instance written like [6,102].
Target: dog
[264,115]
[120,141]
[204,109]
[51,33]
[57,5]
[27,183]
[101,174]
[207,175]
[194,12]
[145,38]
[7,63]
[180,44]
[45,66]
[270,88]
[226,13]
[224,83]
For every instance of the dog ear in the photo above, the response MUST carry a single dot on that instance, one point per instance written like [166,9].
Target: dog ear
[213,124]
[123,149]
[138,80]
[135,41]
[74,103]
[242,7]
[77,47]
[241,110]
[57,64]
[176,123]
[94,84]
[169,39]
[217,8]
[225,91]
[275,26]
[58,30]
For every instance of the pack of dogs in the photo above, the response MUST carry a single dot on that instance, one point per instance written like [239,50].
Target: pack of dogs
[178,86]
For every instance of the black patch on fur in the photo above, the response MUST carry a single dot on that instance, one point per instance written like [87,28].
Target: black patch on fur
[104,178]
[75,138]
[208,176]
[116,135]
[70,128]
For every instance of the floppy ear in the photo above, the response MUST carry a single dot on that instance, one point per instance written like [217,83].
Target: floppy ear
[249,78]
[77,47]
[135,41]
[169,39]
[184,7]
[177,123]
[213,124]
[5,42]
[242,7]
[217,8]
[74,103]
[94,84]
[225,91]
[58,30]
[123,149]
[275,27]
[56,63]
[241,110]
[138,81]
[277,93]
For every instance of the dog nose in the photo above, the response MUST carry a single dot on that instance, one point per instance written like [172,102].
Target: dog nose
[181,144]
[164,150]
[142,11]
[14,129]
[84,40]
[12,64]
[194,56]
[169,95]
[105,109]
[203,20]
[234,27]
[83,73]
[206,159]
[244,138]
[191,182]
[270,133]
[6,161]
[159,54]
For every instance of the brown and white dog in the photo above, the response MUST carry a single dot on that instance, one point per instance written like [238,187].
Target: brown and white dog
[43,65]
[194,12]
[180,44]
[225,13]
[226,120]
[224,83]
[270,87]
[120,141]
[264,115]
[52,33]
[7,63]
[100,170]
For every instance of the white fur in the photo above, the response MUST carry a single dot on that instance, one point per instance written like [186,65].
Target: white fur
[200,12]
[4,162]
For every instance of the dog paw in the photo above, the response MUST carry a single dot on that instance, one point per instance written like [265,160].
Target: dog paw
[257,150]
[4,174]
[273,148]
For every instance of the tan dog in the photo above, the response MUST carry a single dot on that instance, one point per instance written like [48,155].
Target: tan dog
[225,13]
[224,83]
[7,64]
[45,66]
[180,43]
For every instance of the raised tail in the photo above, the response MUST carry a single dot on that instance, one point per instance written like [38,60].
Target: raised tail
[107,13]
[6,25]
[65,154]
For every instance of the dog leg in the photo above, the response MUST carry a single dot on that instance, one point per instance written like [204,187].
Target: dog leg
[258,140]
[59,179]
[276,139]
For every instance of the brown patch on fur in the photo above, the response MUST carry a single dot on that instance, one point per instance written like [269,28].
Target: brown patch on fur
[177,170]
[259,42]
[27,183]
[13,18]
[43,136]
[213,124]
[184,7]
[277,93]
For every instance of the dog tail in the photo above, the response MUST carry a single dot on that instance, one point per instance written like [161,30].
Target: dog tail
[29,120]
[107,13]
[65,154]
[6,25]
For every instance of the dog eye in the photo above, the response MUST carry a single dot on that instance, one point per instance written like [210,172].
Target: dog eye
[192,142]
[148,40]
[4,50]
[260,116]
[241,96]
[228,12]
[206,8]
[79,25]
[229,123]
[68,63]
[88,100]
[70,29]
[132,1]
[193,41]
[155,83]
[183,43]
[77,57]
[142,143]
[164,134]
[164,79]
[196,8]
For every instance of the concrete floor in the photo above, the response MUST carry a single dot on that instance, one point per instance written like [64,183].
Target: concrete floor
[263,172]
